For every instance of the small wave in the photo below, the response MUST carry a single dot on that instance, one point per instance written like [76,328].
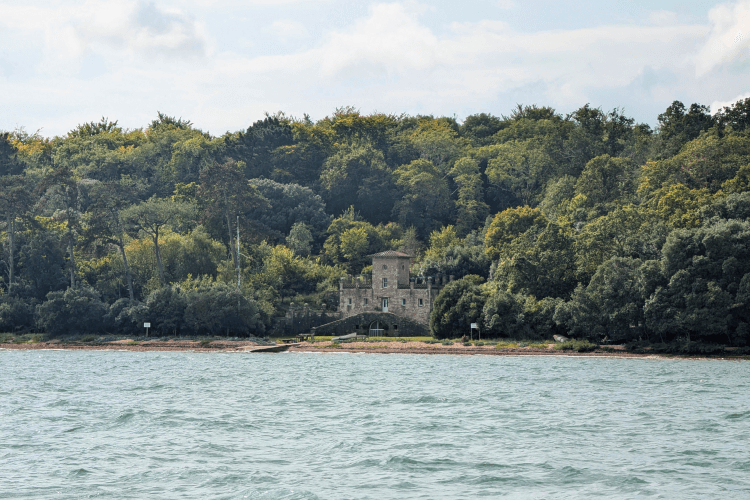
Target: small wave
[79,473]
[738,416]
[279,494]
[124,417]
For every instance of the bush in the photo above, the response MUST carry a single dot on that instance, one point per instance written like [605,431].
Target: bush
[539,346]
[165,310]
[74,311]
[506,345]
[15,315]
[125,317]
[577,345]
[219,308]
[479,344]
[447,342]
[676,347]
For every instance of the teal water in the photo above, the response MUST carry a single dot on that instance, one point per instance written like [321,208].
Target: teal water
[98,424]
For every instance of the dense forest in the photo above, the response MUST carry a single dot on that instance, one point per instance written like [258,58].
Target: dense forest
[587,224]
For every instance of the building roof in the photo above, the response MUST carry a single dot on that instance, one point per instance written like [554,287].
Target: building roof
[390,253]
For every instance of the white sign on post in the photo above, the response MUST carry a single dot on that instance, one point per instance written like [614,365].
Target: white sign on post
[474,325]
[146,325]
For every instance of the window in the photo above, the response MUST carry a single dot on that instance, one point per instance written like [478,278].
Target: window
[366,301]
[385,282]
[421,303]
[395,327]
[350,301]
[385,267]
[403,302]
[402,267]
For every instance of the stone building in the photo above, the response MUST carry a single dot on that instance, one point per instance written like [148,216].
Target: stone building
[388,303]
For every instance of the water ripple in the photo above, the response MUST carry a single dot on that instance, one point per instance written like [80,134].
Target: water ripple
[81,424]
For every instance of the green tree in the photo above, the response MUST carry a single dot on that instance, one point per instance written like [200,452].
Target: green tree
[357,175]
[458,304]
[152,217]
[226,196]
[73,311]
[15,201]
[472,210]
[605,180]
[290,204]
[300,239]
[64,183]
[679,125]
[508,225]
[104,221]
[425,199]
[519,171]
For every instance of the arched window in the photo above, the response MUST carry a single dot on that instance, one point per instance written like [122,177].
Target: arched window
[376,329]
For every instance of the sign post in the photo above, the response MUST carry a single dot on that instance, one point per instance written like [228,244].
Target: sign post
[146,326]
[475,326]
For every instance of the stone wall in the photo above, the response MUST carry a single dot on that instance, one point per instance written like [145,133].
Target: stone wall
[403,300]
[393,325]
[301,319]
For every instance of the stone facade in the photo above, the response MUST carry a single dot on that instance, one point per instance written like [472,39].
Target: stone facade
[389,325]
[389,290]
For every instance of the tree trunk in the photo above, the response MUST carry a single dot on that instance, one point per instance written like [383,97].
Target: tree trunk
[127,268]
[72,262]
[235,258]
[232,250]
[159,265]
[70,242]
[11,246]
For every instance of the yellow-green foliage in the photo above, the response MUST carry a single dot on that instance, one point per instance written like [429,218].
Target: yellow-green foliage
[508,225]
[194,254]
[506,345]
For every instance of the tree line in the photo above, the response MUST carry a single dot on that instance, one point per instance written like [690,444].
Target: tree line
[587,224]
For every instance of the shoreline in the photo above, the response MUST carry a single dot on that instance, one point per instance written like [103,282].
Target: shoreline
[129,345]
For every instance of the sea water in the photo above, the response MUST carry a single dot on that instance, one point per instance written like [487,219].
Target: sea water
[103,424]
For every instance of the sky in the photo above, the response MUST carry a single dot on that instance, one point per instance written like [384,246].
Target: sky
[223,64]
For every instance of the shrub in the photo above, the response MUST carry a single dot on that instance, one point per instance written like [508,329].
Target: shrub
[165,310]
[539,346]
[577,345]
[15,314]
[447,342]
[479,344]
[676,347]
[506,345]
[215,308]
[76,310]
[467,344]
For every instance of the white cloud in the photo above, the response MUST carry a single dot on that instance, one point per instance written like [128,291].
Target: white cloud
[728,41]
[717,106]
[132,28]
[286,29]
[388,60]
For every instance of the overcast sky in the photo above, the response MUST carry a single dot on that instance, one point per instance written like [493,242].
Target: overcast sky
[223,64]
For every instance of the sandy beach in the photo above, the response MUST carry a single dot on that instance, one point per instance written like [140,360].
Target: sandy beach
[328,347]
